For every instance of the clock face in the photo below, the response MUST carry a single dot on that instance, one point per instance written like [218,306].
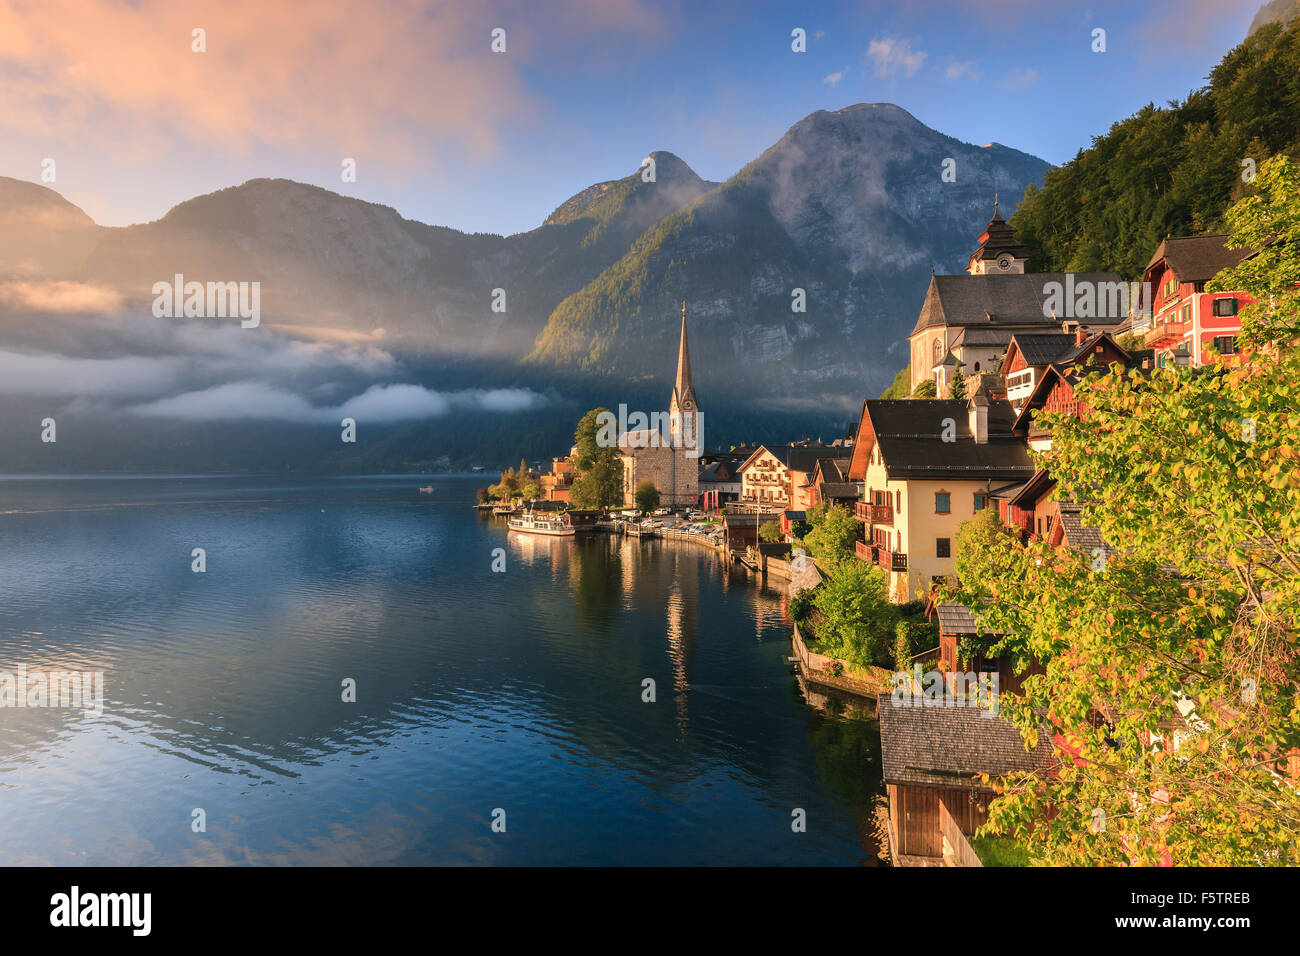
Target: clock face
[1004,262]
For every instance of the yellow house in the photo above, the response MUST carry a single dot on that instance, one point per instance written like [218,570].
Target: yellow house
[926,467]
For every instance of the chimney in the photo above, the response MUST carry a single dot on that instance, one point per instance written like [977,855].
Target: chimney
[1146,363]
[1080,335]
[978,409]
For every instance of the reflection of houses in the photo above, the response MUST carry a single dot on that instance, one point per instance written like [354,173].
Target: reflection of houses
[1185,319]
[967,321]
[927,466]
[932,757]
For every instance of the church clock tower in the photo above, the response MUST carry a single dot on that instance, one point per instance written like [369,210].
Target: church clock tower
[683,406]
[999,252]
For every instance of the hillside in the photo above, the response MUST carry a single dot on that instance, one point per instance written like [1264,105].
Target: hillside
[1168,170]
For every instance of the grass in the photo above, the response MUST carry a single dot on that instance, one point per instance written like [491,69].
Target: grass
[999,851]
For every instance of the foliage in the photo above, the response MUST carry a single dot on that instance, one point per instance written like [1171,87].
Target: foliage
[957,387]
[600,482]
[800,528]
[1167,170]
[831,540]
[769,531]
[530,490]
[912,636]
[925,389]
[999,851]
[854,614]
[646,495]
[1194,475]
[800,605]
[898,388]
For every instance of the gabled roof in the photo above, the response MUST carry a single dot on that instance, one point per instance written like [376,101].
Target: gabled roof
[1079,536]
[1198,258]
[949,746]
[840,489]
[910,435]
[955,619]
[999,301]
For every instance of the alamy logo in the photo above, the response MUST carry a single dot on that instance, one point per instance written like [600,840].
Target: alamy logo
[213,300]
[951,689]
[103,909]
[65,690]
[1086,299]
[656,430]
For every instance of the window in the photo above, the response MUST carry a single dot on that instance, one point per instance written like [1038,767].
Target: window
[977,366]
[1225,307]
[943,547]
[898,500]
[981,501]
[1226,344]
[942,503]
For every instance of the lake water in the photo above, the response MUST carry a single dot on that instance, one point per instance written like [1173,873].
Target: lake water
[475,691]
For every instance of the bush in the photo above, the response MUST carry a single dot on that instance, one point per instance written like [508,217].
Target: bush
[800,606]
[912,636]
[769,531]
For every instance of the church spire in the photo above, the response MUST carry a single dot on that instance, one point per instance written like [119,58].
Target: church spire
[684,389]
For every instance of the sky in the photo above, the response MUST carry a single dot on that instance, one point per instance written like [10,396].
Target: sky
[450,132]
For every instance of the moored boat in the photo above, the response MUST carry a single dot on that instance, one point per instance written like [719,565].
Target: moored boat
[531,522]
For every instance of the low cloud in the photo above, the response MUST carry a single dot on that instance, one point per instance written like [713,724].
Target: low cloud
[379,404]
[65,298]
[835,78]
[892,55]
[44,375]
[961,69]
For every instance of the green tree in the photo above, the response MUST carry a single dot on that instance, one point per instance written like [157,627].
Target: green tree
[600,480]
[854,616]
[899,387]
[530,490]
[769,531]
[833,535]
[957,387]
[646,495]
[1191,475]
[925,389]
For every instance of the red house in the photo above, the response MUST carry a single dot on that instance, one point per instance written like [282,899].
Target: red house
[1185,319]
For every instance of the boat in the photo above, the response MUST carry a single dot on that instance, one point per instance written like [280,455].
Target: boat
[542,523]
[427,490]
[503,510]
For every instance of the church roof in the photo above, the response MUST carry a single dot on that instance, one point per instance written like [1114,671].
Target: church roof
[684,388]
[1000,301]
[998,237]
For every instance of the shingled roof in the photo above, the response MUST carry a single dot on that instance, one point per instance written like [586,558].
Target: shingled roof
[955,619]
[1079,536]
[910,435]
[990,301]
[1198,258]
[949,746]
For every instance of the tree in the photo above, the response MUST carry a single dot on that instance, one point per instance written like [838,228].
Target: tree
[854,616]
[600,482]
[646,495]
[898,388]
[769,531]
[589,440]
[957,387]
[925,389]
[1191,475]
[833,535]
[530,490]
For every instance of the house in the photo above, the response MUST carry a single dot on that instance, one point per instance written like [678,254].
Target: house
[830,484]
[1185,318]
[931,759]
[967,321]
[740,531]
[719,483]
[1030,354]
[927,466]
[957,628]
[774,476]
[557,484]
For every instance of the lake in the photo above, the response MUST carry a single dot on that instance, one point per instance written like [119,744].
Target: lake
[513,695]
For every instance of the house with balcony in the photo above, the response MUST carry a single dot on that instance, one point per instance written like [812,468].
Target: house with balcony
[1186,320]
[926,466]
[1030,354]
[777,477]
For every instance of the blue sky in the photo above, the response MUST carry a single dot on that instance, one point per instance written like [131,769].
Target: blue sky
[450,133]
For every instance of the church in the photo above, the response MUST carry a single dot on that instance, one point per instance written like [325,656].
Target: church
[672,460]
[967,321]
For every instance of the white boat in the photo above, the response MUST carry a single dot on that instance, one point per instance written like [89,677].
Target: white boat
[427,490]
[542,523]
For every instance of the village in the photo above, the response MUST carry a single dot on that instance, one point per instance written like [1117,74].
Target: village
[862,532]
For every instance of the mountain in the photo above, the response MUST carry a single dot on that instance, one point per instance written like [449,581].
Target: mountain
[849,206]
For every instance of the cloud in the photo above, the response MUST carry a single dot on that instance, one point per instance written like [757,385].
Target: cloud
[956,69]
[394,81]
[58,375]
[379,404]
[834,78]
[1019,79]
[892,55]
[68,298]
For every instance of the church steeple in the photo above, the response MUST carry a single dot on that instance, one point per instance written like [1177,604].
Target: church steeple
[999,251]
[684,390]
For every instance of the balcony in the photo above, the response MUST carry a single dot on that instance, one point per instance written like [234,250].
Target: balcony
[891,560]
[1163,335]
[874,514]
[865,551]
